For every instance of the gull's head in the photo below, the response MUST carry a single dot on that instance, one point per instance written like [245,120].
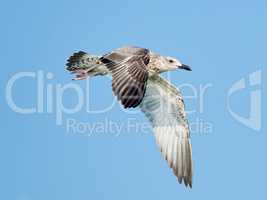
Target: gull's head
[169,63]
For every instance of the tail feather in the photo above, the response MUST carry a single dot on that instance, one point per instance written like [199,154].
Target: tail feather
[81,60]
[84,65]
[75,58]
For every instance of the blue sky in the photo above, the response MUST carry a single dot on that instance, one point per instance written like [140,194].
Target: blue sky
[223,42]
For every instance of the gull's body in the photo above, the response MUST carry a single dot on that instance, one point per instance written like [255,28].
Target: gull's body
[136,82]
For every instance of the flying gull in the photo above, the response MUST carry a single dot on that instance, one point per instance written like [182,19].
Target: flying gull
[136,83]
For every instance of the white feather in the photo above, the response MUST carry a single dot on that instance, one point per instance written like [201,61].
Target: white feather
[170,126]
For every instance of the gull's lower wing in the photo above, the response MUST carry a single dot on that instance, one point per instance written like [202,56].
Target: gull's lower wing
[164,107]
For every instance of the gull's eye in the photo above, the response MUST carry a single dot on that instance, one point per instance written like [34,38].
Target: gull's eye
[171,61]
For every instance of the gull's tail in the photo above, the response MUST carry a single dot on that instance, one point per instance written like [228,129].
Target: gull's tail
[84,65]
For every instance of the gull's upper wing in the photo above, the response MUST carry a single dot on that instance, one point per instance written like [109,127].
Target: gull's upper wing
[164,107]
[129,73]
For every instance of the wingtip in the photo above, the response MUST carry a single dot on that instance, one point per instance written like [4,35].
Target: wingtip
[187,183]
[190,185]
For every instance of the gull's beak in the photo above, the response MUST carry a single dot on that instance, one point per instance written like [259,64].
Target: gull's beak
[185,67]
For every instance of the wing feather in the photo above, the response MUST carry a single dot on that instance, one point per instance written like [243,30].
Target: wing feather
[129,74]
[164,107]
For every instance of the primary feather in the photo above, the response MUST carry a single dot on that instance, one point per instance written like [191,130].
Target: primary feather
[164,107]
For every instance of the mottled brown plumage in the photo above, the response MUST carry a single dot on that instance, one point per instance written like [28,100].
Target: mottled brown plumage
[136,82]
[129,74]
